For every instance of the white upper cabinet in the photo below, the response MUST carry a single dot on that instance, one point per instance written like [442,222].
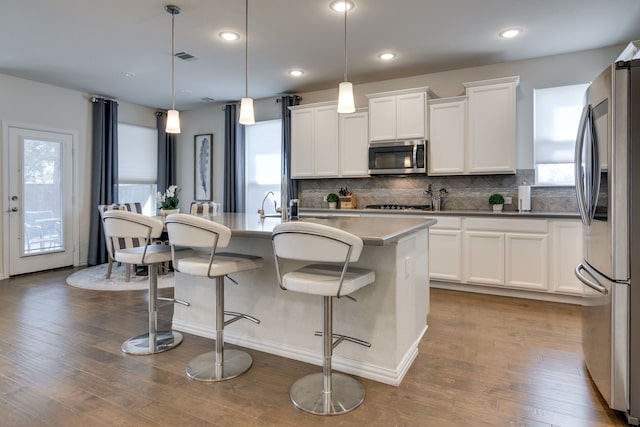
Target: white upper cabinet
[354,132]
[491,131]
[325,144]
[398,115]
[447,136]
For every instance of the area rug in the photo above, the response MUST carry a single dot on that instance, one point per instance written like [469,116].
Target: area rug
[94,278]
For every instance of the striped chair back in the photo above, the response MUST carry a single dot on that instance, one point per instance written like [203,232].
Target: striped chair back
[204,208]
[123,242]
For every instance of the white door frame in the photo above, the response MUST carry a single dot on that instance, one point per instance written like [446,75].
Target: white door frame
[4,200]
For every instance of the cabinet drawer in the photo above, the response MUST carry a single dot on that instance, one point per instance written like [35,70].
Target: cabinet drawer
[507,225]
[445,222]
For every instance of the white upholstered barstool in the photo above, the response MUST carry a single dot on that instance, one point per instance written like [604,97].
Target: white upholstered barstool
[329,251]
[205,236]
[122,224]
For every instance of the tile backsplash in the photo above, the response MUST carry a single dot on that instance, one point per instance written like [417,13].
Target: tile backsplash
[469,192]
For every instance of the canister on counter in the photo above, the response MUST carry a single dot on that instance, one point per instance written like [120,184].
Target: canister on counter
[293,209]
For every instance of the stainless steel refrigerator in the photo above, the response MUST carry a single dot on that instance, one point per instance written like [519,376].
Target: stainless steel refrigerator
[607,169]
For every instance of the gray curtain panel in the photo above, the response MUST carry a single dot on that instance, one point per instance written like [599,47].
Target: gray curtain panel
[233,160]
[166,154]
[286,102]
[104,172]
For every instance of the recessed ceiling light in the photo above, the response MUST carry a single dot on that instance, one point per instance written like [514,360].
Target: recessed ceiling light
[128,74]
[386,56]
[296,73]
[510,33]
[339,5]
[229,36]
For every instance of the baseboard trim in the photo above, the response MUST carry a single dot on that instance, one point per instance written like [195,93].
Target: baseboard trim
[506,292]
[365,370]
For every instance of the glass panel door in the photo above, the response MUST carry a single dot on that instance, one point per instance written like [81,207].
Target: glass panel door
[40,205]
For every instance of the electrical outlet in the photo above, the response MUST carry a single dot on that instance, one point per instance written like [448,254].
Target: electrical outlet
[508,200]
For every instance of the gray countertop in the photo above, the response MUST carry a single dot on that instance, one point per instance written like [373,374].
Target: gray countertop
[373,231]
[488,213]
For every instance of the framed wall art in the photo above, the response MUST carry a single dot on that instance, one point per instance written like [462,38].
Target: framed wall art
[203,163]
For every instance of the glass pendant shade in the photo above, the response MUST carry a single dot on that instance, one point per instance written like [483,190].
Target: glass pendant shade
[173,121]
[247,116]
[345,98]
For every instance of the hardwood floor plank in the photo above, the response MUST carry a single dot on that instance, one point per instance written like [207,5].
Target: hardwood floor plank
[484,361]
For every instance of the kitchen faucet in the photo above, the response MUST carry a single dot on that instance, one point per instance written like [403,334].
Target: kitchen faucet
[261,210]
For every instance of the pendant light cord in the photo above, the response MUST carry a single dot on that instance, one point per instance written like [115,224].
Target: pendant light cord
[173,61]
[246,48]
[345,40]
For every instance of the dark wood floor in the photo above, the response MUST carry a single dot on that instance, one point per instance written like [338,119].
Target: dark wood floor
[485,361]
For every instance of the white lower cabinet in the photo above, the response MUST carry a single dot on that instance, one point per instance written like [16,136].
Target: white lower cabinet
[526,261]
[529,254]
[566,254]
[445,263]
[484,257]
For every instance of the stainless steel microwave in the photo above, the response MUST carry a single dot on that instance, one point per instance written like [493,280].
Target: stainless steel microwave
[398,157]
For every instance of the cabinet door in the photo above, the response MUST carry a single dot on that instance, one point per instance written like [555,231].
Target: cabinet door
[302,134]
[411,116]
[447,138]
[326,142]
[492,128]
[566,254]
[382,118]
[484,257]
[526,261]
[354,141]
[445,261]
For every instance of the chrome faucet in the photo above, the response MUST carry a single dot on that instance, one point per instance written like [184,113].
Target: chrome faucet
[261,210]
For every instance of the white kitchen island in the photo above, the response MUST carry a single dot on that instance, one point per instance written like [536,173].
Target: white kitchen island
[391,313]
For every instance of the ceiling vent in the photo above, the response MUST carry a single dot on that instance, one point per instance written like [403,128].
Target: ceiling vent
[185,56]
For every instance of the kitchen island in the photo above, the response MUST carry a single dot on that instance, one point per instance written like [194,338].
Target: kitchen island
[391,313]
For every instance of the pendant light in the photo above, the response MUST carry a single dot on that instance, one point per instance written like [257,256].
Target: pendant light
[173,116]
[247,116]
[345,91]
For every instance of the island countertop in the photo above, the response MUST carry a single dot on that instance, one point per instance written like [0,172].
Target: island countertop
[373,231]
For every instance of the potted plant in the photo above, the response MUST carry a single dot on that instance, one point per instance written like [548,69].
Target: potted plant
[497,201]
[168,200]
[332,199]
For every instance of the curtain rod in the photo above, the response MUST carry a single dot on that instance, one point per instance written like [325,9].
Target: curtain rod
[98,98]
[278,100]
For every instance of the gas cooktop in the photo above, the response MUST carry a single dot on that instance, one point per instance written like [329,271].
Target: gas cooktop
[399,207]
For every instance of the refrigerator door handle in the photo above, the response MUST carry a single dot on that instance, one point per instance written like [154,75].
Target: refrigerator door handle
[580,190]
[595,166]
[598,286]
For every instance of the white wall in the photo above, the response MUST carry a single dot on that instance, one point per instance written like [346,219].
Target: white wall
[30,103]
[210,120]
[27,102]
[559,70]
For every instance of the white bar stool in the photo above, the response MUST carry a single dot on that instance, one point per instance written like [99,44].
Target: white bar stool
[325,393]
[122,224]
[206,236]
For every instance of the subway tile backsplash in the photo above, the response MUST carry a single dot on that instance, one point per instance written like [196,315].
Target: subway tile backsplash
[469,192]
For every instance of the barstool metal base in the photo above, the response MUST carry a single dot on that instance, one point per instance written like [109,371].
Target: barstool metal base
[141,345]
[346,395]
[234,363]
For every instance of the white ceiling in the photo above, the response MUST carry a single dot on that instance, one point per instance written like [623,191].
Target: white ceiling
[86,45]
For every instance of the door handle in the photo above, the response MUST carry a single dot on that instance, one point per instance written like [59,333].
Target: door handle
[595,286]
[14,209]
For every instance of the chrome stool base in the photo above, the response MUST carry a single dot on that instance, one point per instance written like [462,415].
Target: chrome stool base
[141,345]
[346,395]
[204,368]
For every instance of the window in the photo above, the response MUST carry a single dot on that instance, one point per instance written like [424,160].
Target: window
[138,166]
[556,115]
[263,152]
